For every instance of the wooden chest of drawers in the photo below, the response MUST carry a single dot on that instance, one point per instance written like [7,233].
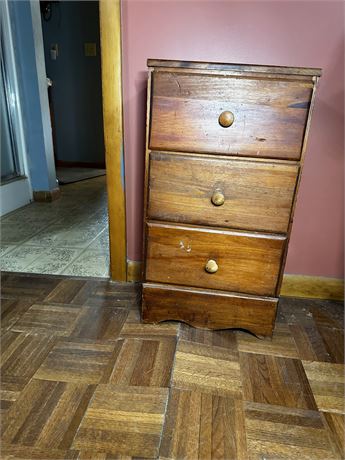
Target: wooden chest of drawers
[225,148]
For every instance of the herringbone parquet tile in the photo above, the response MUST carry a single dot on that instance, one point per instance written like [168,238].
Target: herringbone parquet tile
[83,378]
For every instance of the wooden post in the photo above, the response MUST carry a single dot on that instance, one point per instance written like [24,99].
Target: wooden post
[110,25]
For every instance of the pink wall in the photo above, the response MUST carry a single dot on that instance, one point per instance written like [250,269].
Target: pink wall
[281,33]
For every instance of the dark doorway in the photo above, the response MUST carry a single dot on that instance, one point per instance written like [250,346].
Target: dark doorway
[71,37]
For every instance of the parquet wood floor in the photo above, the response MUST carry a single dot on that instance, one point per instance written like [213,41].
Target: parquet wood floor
[82,378]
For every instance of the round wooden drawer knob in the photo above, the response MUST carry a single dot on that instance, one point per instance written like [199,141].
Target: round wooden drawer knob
[218,198]
[226,119]
[211,266]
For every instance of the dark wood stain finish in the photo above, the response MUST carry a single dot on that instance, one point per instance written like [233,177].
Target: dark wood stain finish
[257,196]
[237,69]
[185,111]
[203,426]
[248,262]
[161,302]
[225,146]
[127,390]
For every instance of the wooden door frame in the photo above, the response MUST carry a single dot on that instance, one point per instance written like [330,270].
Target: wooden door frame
[110,32]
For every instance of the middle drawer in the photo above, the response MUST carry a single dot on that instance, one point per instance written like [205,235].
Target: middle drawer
[237,261]
[200,190]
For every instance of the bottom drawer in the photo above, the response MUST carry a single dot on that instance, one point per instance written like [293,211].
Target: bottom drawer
[208,309]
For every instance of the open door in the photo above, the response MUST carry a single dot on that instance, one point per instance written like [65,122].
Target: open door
[15,187]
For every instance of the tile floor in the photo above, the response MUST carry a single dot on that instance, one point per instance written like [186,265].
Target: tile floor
[68,236]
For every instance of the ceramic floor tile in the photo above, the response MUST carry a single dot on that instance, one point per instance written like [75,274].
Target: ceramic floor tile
[14,232]
[6,248]
[69,234]
[41,217]
[79,236]
[102,241]
[89,263]
[86,217]
[49,237]
[78,217]
[30,213]
[53,260]
[20,258]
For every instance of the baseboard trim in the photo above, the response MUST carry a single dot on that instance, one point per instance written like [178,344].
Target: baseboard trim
[134,270]
[47,196]
[312,287]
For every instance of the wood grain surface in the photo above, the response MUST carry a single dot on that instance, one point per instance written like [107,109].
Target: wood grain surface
[212,370]
[327,381]
[283,344]
[313,287]
[75,361]
[276,380]
[124,420]
[203,426]
[202,120]
[110,35]
[241,68]
[336,425]
[248,262]
[162,302]
[286,433]
[46,414]
[269,115]
[144,362]
[258,196]
[129,390]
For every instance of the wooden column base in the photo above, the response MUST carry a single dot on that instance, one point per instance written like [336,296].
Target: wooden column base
[134,270]
[47,196]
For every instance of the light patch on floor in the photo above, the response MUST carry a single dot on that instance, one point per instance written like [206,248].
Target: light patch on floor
[66,237]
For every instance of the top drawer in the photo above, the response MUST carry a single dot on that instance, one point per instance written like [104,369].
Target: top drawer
[267,116]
